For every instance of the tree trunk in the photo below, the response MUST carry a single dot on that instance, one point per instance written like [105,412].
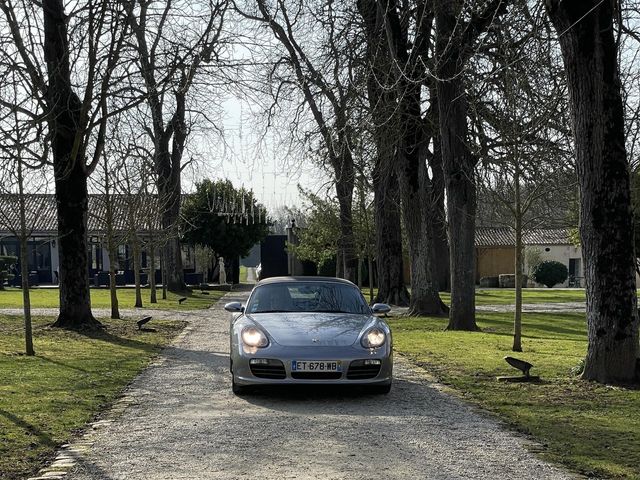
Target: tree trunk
[425,299]
[26,300]
[459,168]
[415,193]
[437,220]
[113,260]
[382,101]
[152,273]
[339,262]
[391,288]
[590,53]
[137,266]
[344,191]
[517,319]
[163,273]
[112,248]
[69,172]
[170,216]
[371,279]
[169,189]
[24,256]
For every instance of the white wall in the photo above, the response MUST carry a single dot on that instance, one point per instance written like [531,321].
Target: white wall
[562,254]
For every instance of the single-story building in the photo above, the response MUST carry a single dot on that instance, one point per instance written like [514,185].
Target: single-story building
[495,252]
[42,222]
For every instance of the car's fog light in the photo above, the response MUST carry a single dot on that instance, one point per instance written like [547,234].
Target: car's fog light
[372,361]
[259,361]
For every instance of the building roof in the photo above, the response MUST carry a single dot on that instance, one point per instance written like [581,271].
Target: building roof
[504,237]
[41,216]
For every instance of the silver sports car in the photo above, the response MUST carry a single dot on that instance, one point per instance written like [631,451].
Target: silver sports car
[309,330]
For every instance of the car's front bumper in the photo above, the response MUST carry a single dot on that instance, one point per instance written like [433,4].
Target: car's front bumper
[243,374]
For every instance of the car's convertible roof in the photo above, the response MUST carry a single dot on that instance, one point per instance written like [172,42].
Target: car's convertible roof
[304,279]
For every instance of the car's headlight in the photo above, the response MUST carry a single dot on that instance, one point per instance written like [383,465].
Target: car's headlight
[373,338]
[253,337]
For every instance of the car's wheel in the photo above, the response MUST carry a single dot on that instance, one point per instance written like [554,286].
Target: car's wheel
[239,389]
[380,389]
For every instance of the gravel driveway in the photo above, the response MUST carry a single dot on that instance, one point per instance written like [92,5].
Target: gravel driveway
[181,421]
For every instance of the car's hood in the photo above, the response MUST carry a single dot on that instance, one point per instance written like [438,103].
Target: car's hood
[312,329]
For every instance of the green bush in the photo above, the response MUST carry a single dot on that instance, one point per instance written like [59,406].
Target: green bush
[6,264]
[550,273]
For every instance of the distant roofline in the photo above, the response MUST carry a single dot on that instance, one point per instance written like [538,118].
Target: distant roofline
[496,237]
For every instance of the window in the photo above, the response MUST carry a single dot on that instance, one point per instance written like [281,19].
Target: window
[330,297]
[95,257]
[574,267]
[123,257]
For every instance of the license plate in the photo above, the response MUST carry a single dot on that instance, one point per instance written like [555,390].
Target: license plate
[316,366]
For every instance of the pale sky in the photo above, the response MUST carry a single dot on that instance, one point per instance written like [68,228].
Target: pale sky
[254,160]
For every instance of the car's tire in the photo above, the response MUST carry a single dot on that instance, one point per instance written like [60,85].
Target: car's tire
[380,389]
[239,389]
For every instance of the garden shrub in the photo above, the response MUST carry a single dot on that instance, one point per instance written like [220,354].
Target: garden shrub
[550,273]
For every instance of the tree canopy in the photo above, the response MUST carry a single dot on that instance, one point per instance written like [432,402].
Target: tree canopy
[228,220]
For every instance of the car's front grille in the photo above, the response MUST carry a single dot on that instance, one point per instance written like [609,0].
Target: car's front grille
[273,370]
[359,371]
[316,375]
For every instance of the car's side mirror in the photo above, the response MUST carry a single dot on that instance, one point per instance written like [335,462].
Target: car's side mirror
[381,308]
[234,307]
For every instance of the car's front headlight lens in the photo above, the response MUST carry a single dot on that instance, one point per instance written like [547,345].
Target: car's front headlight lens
[253,337]
[374,338]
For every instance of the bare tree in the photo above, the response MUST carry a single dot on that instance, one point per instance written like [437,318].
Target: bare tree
[169,72]
[399,50]
[459,24]
[23,157]
[586,32]
[316,67]
[526,172]
[108,220]
[76,124]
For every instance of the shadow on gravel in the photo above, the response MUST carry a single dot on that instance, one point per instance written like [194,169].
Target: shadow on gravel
[344,399]
[206,358]
[86,466]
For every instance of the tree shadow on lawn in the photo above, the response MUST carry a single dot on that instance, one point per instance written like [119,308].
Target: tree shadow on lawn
[106,336]
[62,364]
[525,334]
[44,438]
[569,332]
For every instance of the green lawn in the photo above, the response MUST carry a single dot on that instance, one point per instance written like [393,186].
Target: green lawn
[49,298]
[45,399]
[590,428]
[243,274]
[506,296]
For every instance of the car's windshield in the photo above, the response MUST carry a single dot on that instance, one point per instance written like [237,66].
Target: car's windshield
[330,297]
